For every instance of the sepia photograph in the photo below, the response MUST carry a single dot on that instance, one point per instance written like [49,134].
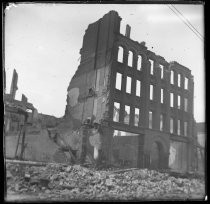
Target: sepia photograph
[104,102]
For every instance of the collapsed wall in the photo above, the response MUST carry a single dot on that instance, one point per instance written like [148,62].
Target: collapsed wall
[88,90]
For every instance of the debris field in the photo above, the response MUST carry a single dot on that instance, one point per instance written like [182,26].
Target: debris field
[74,182]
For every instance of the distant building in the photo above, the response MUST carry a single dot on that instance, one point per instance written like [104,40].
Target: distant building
[201,137]
[143,103]
[201,133]
[14,119]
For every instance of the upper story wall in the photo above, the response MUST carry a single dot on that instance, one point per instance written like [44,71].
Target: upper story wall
[134,63]
[87,95]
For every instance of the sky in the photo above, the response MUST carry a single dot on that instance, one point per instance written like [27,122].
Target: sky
[42,42]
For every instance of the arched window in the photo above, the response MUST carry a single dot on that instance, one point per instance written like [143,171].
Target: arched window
[120,54]
[139,62]
[130,59]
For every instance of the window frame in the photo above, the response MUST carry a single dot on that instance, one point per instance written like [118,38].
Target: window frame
[179,77]
[139,88]
[151,92]
[117,74]
[119,53]
[171,125]
[128,114]
[162,96]
[139,68]
[130,58]
[172,77]
[186,87]
[178,127]
[150,120]
[172,100]
[115,102]
[179,102]
[161,122]
[138,116]
[151,66]
[161,71]
[128,87]
[186,104]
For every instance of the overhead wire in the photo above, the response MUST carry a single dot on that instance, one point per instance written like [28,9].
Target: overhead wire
[187,20]
[185,23]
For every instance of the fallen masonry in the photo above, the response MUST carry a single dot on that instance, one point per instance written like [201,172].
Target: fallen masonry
[64,182]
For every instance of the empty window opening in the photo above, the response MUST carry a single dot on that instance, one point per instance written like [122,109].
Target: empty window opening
[185,128]
[136,119]
[151,67]
[138,88]
[120,54]
[161,71]
[123,133]
[179,102]
[127,115]
[139,62]
[179,80]
[161,122]
[161,95]
[172,77]
[186,104]
[178,127]
[118,81]
[130,58]
[151,92]
[186,83]
[171,99]
[150,119]
[128,85]
[116,112]
[171,125]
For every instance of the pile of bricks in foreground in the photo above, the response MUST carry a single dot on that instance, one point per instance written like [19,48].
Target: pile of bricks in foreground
[63,182]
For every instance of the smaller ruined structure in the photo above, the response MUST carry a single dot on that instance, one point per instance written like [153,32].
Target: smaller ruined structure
[16,111]
[24,135]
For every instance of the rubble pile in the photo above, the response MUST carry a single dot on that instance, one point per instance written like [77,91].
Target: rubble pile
[60,181]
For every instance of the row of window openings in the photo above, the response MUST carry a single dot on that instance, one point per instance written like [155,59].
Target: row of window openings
[178,127]
[138,91]
[171,98]
[171,124]
[130,58]
[186,80]
[139,61]
[116,114]
[178,102]
[139,66]
[128,84]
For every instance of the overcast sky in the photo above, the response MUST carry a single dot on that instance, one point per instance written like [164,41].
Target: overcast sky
[42,42]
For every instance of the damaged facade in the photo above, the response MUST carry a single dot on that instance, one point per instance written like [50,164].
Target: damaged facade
[144,104]
[15,111]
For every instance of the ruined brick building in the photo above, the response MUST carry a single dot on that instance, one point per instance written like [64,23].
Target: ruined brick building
[143,103]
